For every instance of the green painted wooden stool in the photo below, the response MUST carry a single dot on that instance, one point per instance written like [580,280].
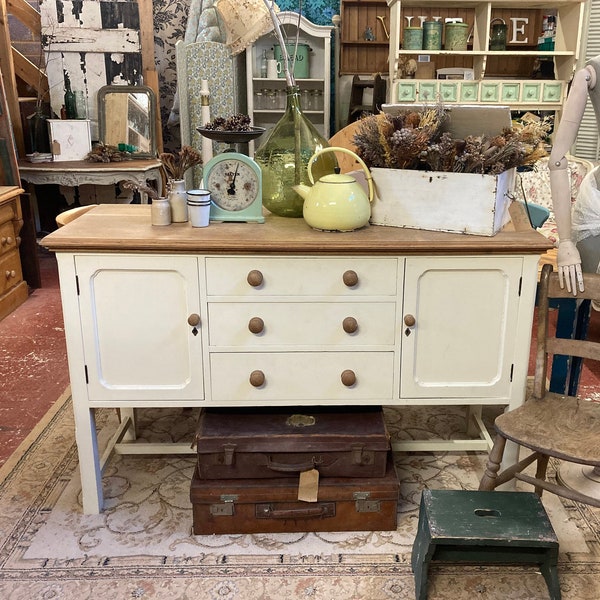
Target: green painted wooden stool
[484,527]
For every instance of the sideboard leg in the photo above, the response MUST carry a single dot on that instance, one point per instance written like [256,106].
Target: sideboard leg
[89,460]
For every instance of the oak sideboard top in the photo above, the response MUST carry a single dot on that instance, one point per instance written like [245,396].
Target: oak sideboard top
[127,228]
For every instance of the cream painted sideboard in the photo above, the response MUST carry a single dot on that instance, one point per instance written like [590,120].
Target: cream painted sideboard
[279,314]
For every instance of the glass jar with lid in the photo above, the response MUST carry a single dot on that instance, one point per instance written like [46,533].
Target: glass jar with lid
[270,99]
[317,102]
[259,99]
[306,99]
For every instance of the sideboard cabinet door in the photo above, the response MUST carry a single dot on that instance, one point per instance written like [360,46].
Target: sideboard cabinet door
[462,341]
[137,341]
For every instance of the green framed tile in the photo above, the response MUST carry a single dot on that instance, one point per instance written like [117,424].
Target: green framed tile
[552,92]
[407,91]
[469,91]
[427,91]
[490,92]
[531,92]
[511,92]
[449,91]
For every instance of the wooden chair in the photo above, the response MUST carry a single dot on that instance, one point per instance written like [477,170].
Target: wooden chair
[358,107]
[551,425]
[71,214]
[345,138]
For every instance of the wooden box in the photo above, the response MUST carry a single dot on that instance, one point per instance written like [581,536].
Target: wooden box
[436,201]
[70,139]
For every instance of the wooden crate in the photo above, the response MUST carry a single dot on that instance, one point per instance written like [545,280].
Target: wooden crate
[455,202]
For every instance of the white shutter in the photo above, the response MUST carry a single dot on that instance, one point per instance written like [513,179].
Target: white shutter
[587,145]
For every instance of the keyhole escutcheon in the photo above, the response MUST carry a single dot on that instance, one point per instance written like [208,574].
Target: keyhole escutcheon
[193,322]
[410,322]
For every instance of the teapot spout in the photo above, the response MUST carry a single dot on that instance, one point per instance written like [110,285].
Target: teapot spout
[302,190]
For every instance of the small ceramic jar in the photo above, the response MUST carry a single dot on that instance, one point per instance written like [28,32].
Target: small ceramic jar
[160,211]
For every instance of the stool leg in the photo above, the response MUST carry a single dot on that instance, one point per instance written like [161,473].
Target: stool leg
[549,569]
[422,552]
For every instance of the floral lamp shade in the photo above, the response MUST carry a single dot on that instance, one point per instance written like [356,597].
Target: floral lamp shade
[245,21]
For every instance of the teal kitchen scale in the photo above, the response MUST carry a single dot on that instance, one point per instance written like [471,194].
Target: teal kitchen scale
[233,179]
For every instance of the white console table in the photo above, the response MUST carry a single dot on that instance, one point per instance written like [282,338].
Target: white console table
[277,313]
[80,172]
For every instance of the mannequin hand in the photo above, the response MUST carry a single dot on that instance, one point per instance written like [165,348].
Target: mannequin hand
[569,267]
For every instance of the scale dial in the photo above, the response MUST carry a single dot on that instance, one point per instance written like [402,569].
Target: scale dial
[235,185]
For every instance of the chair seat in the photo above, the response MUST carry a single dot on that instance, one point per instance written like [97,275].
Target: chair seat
[564,427]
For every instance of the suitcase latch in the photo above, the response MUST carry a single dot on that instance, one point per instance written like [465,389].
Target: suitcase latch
[360,456]
[228,450]
[225,508]
[362,504]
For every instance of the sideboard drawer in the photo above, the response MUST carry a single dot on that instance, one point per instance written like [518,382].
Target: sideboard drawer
[301,376]
[254,324]
[10,271]
[291,276]
[8,239]
[8,212]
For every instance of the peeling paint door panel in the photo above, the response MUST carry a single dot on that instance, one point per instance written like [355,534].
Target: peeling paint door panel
[93,44]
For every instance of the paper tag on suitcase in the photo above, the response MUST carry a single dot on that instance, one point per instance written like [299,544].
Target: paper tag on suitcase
[308,486]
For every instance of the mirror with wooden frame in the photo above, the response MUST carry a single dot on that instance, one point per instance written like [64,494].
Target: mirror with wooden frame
[127,119]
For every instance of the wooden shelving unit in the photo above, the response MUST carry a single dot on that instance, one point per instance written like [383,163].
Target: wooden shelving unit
[359,56]
[499,76]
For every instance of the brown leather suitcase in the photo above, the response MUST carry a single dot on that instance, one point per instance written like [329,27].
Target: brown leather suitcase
[280,442]
[232,506]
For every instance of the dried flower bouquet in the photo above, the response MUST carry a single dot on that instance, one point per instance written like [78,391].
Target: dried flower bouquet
[177,164]
[414,140]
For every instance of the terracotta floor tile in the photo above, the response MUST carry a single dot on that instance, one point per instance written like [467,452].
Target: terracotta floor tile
[33,359]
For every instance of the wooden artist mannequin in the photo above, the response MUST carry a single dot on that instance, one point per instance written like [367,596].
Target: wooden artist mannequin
[587,252]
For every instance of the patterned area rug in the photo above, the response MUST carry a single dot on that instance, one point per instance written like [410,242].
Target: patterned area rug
[141,546]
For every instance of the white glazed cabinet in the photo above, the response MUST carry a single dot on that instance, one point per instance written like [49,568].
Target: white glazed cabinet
[315,91]
[280,314]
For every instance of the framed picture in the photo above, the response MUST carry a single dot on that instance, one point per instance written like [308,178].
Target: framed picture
[70,139]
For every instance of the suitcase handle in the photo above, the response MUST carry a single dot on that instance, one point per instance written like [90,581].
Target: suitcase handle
[294,468]
[323,510]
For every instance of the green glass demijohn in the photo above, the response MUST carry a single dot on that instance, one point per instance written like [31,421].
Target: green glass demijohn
[284,155]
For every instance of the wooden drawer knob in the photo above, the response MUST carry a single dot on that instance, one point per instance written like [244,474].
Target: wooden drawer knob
[11,274]
[256,325]
[194,320]
[348,378]
[409,320]
[257,378]
[350,325]
[255,278]
[350,278]
[7,241]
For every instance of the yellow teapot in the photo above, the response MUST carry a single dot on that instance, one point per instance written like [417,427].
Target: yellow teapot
[336,202]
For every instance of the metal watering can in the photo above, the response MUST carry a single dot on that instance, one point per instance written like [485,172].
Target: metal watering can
[336,202]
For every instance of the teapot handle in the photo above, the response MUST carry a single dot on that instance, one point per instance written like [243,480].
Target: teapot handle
[360,161]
